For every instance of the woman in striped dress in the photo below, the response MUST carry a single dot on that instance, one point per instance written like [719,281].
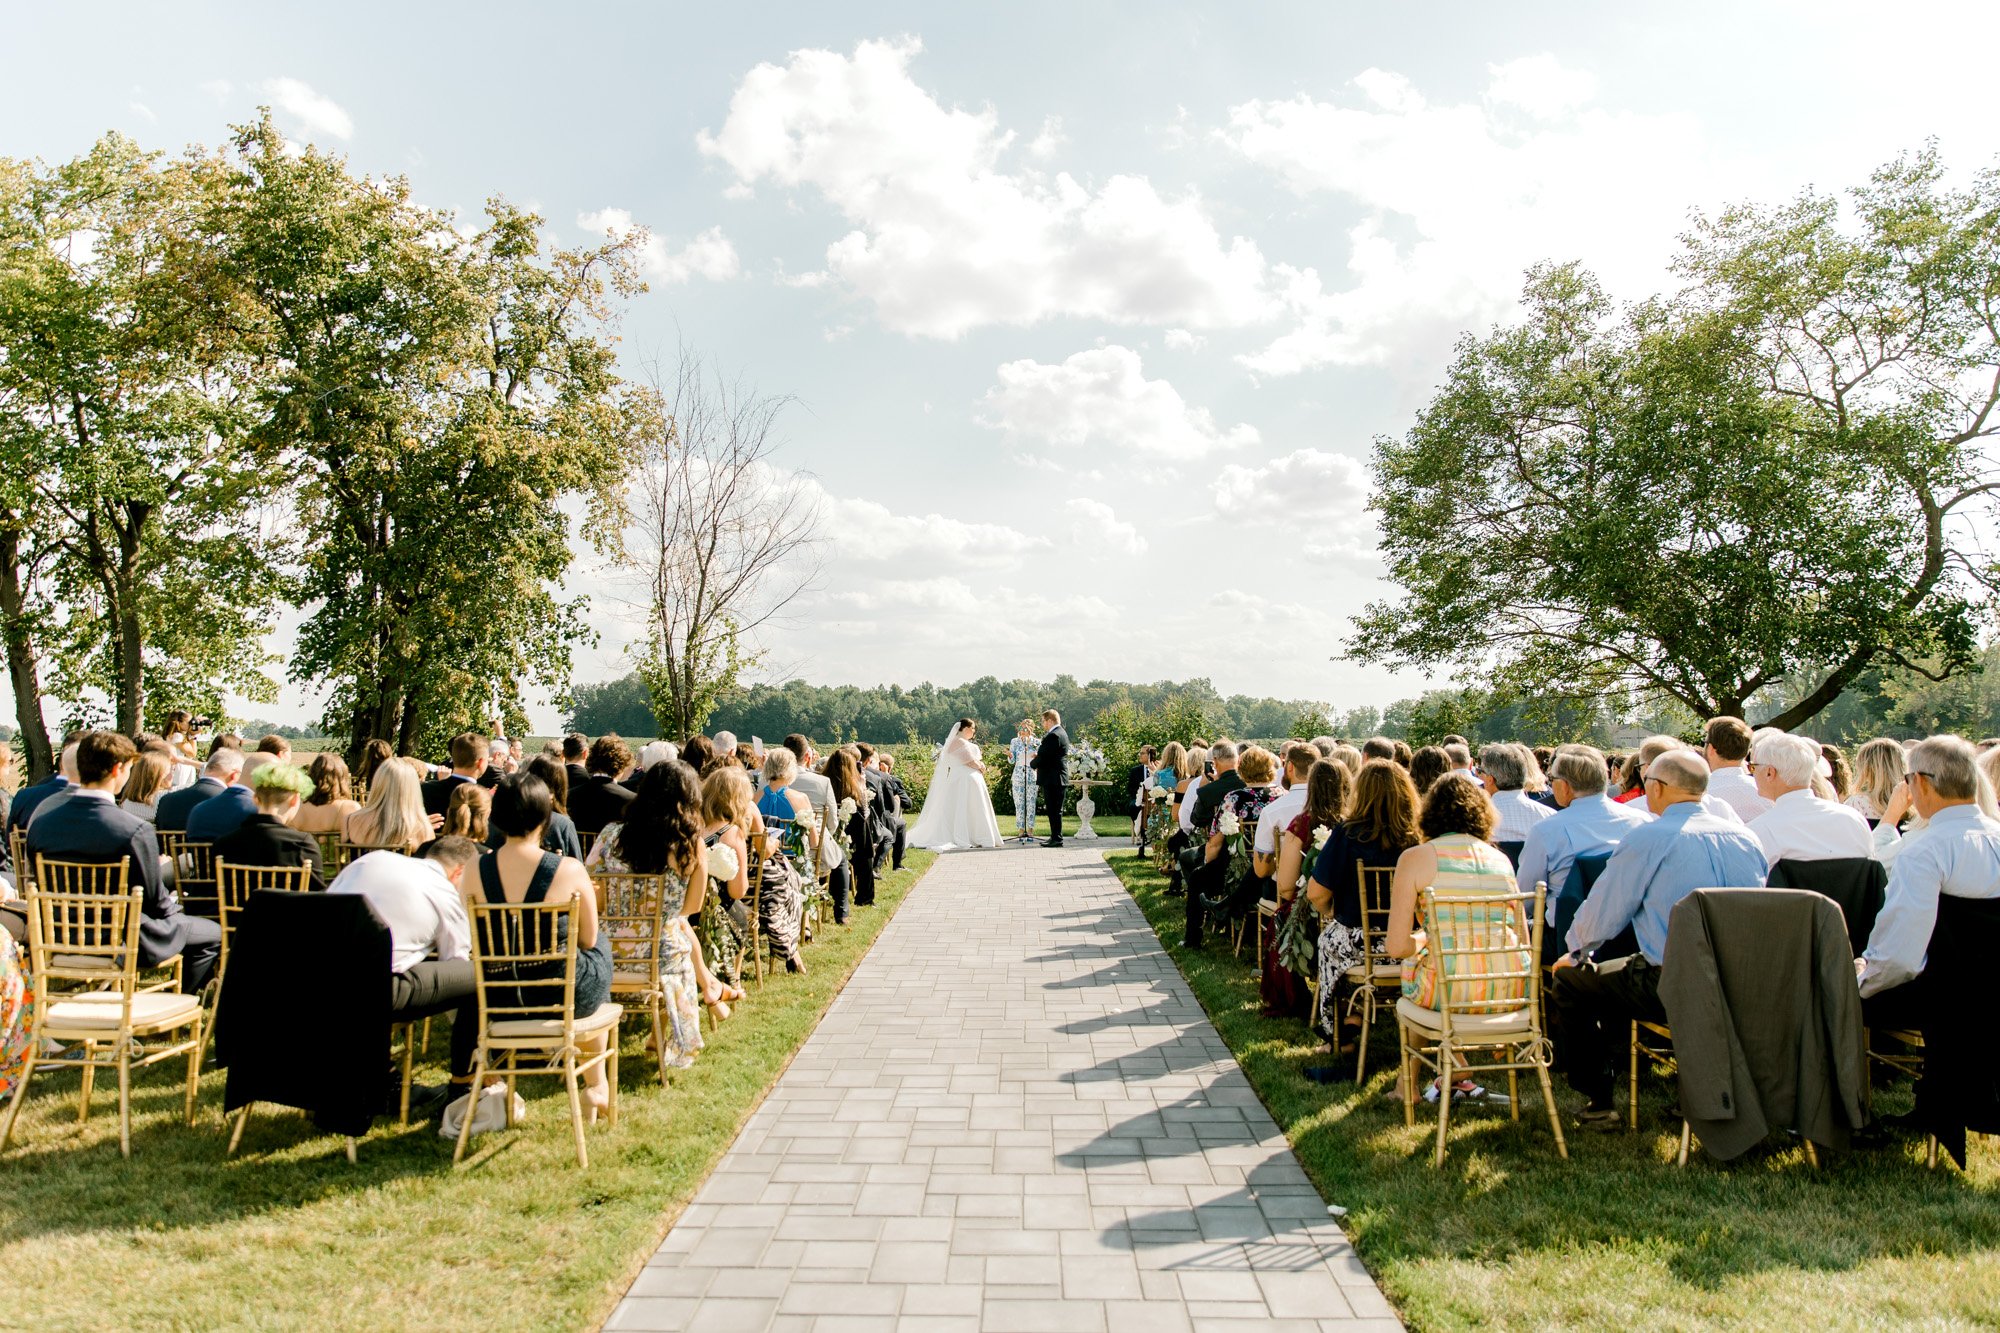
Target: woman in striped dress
[1455,858]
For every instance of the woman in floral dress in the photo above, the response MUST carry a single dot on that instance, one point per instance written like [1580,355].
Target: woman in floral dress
[17,1014]
[660,835]
[729,821]
[1021,751]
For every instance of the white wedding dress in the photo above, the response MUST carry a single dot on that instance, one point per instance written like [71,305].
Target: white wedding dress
[958,810]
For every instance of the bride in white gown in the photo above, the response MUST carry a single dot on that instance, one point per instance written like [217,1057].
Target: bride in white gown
[958,810]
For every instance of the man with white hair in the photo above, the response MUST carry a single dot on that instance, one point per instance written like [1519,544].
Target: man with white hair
[1958,856]
[1684,848]
[170,812]
[1503,772]
[1800,826]
[725,743]
[1586,822]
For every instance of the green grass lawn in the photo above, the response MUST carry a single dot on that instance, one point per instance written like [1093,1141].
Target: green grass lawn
[288,1235]
[1508,1235]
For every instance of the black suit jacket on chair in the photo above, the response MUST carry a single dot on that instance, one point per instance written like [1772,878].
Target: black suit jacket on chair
[437,795]
[91,829]
[1052,760]
[262,840]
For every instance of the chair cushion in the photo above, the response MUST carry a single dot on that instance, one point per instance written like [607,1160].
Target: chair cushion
[631,981]
[1472,1025]
[607,1015]
[1385,973]
[84,962]
[152,1011]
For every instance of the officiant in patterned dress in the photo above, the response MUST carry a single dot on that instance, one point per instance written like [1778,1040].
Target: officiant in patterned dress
[1021,750]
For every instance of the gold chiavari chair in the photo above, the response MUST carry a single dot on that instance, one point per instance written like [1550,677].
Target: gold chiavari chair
[83,929]
[334,853]
[630,910]
[233,886]
[17,852]
[1376,973]
[73,877]
[1487,950]
[524,976]
[1240,926]
[195,880]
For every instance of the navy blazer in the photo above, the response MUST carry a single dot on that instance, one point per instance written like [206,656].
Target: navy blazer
[26,799]
[93,829]
[437,795]
[221,815]
[171,811]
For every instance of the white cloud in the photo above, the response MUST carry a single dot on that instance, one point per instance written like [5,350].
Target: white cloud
[943,239]
[1331,490]
[315,112]
[1180,340]
[219,89]
[1102,397]
[864,530]
[1458,200]
[141,109]
[1051,138]
[1095,526]
[709,255]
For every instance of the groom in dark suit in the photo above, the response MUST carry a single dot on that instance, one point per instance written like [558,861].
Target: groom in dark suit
[1051,768]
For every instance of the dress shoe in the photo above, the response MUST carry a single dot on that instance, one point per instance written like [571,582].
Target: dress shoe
[1053,842]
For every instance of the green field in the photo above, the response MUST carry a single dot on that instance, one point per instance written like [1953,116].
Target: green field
[1507,1235]
[289,1235]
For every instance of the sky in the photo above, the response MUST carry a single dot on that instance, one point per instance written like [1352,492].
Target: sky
[1090,312]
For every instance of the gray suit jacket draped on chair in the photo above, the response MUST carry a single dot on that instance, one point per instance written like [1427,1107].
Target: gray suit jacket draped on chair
[1759,990]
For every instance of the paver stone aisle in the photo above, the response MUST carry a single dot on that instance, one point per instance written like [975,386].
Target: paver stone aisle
[1015,1117]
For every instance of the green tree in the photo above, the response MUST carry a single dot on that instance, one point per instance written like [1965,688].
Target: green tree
[1759,480]
[127,374]
[441,395]
[623,705]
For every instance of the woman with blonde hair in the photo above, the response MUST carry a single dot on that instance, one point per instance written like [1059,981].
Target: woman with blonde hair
[332,799]
[465,813]
[1878,771]
[393,818]
[729,820]
[150,773]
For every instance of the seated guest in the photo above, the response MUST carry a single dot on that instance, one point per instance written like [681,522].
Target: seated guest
[499,763]
[1726,747]
[1284,807]
[1324,787]
[898,826]
[1137,777]
[1797,825]
[660,836]
[725,744]
[265,837]
[277,747]
[729,819]
[1379,826]
[219,816]
[575,748]
[150,773]
[1459,752]
[1878,772]
[1457,857]
[468,762]
[465,816]
[698,754]
[1503,773]
[1378,747]
[600,798]
[373,755]
[561,836]
[392,818]
[1592,1004]
[56,786]
[90,827]
[332,799]
[1586,822]
[657,752]
[1957,854]
[171,811]
[1204,812]
[1427,765]
[519,871]
[422,900]
[786,814]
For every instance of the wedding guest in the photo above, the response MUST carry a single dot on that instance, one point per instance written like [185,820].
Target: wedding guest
[1186,787]
[1958,855]
[1021,754]
[1138,776]
[854,878]
[1878,772]
[725,743]
[171,810]
[601,797]
[29,799]
[575,749]
[1503,773]
[818,792]
[519,871]
[1726,747]
[1839,773]
[1379,826]
[1683,848]
[1206,810]
[1378,747]
[698,752]
[466,815]
[219,816]
[729,820]
[1427,765]
[881,818]
[147,784]
[1798,825]
[392,818]
[468,765]
[1284,808]
[1323,794]
[660,835]
[657,752]
[561,836]
[89,827]
[499,763]
[788,816]
[899,827]
[10,782]
[1456,858]
[332,799]
[277,747]
[265,837]
[373,755]
[1459,752]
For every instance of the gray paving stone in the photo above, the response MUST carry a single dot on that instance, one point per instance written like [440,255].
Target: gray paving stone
[1013,1118]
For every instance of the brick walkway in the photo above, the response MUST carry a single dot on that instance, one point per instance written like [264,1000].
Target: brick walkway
[1015,1117]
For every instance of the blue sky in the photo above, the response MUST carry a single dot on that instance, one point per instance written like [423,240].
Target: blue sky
[1091,310]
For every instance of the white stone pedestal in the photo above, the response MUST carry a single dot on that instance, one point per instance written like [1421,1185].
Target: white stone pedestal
[1085,807]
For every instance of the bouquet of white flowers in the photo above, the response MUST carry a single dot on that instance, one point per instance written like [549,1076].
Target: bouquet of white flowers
[1321,836]
[1229,825]
[722,862]
[847,808]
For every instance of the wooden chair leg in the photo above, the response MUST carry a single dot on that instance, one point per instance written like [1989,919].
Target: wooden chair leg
[89,1081]
[236,1134]
[1367,1026]
[1408,1076]
[1687,1140]
[472,1104]
[20,1092]
[659,1037]
[1444,1100]
[575,1109]
[194,1071]
[125,1100]
[403,1103]
[1632,1092]
[1514,1094]
[1931,1155]
[1812,1152]
[611,1080]
[1549,1100]
[352,1159]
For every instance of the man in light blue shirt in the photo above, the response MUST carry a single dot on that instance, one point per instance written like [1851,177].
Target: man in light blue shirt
[1956,853]
[1586,821]
[1591,1007]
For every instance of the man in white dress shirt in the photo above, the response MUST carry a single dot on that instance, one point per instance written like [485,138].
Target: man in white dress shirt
[1727,748]
[1800,826]
[1503,771]
[1279,814]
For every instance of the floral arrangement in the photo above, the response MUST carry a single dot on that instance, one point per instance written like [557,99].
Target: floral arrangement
[847,809]
[1228,825]
[1086,761]
[722,863]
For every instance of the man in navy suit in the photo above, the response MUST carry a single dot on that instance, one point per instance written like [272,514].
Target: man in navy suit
[171,811]
[90,827]
[29,799]
[468,764]
[222,814]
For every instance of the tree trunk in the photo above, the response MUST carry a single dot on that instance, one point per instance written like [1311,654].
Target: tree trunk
[406,736]
[22,672]
[131,634]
